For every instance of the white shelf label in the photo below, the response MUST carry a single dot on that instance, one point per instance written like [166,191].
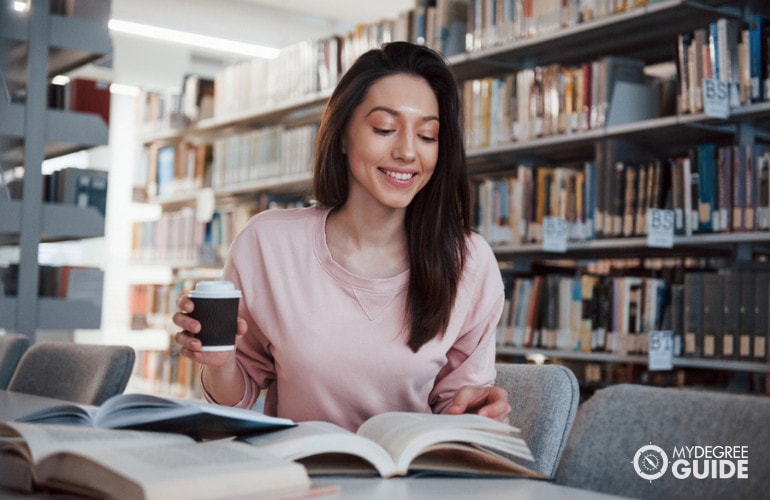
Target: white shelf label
[661,351]
[205,204]
[716,98]
[555,232]
[660,228]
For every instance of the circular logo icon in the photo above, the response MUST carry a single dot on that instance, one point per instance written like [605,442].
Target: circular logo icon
[650,462]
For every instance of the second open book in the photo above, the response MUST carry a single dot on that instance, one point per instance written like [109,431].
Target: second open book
[397,444]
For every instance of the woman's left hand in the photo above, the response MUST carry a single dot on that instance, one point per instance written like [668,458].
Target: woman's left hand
[489,402]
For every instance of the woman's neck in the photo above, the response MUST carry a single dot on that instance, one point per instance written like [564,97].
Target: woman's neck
[369,243]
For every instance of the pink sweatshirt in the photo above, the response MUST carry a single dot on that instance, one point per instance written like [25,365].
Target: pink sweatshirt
[330,345]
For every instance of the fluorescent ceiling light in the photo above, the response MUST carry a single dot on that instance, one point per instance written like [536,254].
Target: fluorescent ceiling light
[60,80]
[21,5]
[193,39]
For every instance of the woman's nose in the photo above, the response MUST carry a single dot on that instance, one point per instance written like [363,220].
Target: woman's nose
[404,148]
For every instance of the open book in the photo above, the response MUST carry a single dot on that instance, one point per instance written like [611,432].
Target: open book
[163,414]
[398,443]
[125,464]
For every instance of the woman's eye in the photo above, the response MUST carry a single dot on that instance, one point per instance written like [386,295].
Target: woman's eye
[382,131]
[427,138]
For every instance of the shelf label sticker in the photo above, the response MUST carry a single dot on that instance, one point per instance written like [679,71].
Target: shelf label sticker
[716,98]
[660,350]
[555,232]
[660,228]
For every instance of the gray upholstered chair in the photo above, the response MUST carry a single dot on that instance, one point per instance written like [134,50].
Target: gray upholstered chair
[83,373]
[544,399]
[616,422]
[12,346]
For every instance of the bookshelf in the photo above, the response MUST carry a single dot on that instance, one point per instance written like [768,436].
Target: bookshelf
[645,31]
[35,46]
[652,34]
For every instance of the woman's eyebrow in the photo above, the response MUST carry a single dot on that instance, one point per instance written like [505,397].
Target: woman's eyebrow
[396,113]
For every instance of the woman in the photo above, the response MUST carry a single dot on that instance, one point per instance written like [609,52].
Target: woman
[380,298]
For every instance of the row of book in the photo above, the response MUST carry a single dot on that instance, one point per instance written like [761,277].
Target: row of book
[175,169]
[585,313]
[152,305]
[598,375]
[556,99]
[270,153]
[84,95]
[166,373]
[266,153]
[81,283]
[82,187]
[712,189]
[713,315]
[725,315]
[175,237]
[496,22]
[159,111]
[299,70]
[180,238]
[729,51]
[311,67]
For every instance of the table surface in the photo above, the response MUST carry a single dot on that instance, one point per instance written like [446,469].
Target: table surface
[14,404]
[447,488]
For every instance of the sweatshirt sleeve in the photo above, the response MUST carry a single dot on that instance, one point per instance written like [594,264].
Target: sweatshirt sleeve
[471,358]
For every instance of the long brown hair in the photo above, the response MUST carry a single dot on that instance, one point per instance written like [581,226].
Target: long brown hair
[438,219]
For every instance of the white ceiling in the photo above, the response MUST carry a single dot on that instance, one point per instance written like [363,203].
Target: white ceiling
[352,11]
[275,23]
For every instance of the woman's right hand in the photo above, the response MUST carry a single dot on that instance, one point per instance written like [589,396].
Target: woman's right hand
[188,340]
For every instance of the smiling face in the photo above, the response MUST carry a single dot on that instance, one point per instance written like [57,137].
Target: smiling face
[391,142]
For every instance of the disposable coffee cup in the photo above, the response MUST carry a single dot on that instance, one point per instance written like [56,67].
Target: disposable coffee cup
[216,308]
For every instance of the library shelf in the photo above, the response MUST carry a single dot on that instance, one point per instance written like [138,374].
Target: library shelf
[608,357]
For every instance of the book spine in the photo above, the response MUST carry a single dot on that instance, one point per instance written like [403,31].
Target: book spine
[708,211]
[693,315]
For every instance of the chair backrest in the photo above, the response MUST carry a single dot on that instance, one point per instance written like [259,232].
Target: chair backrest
[12,346]
[544,399]
[83,373]
[622,423]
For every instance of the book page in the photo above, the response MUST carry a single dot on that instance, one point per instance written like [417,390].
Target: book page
[194,418]
[42,439]
[406,435]
[454,459]
[215,469]
[65,413]
[18,405]
[319,442]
